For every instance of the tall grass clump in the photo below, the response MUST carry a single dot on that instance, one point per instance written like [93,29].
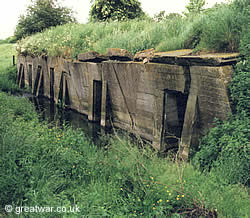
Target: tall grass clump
[222,26]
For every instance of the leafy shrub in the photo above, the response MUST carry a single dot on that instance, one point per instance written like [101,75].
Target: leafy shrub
[240,85]
[225,151]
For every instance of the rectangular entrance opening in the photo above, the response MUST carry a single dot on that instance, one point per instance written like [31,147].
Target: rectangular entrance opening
[174,107]
[52,82]
[97,100]
[30,75]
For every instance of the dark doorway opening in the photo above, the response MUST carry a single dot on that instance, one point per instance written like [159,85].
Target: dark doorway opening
[174,107]
[61,90]
[30,75]
[67,100]
[22,78]
[52,82]
[97,100]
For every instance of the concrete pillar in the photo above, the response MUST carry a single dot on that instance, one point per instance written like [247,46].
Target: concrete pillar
[190,121]
[104,104]
[39,82]
[91,101]
[20,75]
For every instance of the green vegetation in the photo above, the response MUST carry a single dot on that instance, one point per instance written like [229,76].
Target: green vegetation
[118,10]
[60,167]
[8,80]
[217,29]
[225,150]
[7,71]
[42,164]
[11,39]
[196,6]
[7,51]
[45,165]
[40,15]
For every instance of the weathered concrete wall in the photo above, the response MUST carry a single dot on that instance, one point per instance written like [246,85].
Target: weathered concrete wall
[153,100]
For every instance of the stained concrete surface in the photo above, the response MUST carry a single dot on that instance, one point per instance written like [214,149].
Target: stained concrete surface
[171,90]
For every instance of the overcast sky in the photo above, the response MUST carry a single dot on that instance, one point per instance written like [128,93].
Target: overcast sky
[10,10]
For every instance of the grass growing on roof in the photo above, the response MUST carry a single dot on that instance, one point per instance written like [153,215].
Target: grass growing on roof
[135,35]
[217,29]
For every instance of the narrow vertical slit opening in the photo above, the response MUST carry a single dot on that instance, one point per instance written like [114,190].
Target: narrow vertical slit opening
[97,100]
[67,100]
[22,82]
[52,83]
[30,75]
[60,96]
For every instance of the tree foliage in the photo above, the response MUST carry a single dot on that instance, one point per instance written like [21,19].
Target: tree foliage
[40,15]
[196,6]
[162,16]
[119,10]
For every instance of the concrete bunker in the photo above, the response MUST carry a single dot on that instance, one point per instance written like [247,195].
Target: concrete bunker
[168,98]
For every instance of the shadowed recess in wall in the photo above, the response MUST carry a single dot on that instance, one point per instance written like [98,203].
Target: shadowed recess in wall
[174,108]
[39,82]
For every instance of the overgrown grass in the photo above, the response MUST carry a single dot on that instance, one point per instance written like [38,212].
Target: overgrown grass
[60,167]
[216,29]
[70,40]
[6,52]
[7,70]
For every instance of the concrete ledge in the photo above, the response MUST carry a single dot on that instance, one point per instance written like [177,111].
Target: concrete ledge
[185,57]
